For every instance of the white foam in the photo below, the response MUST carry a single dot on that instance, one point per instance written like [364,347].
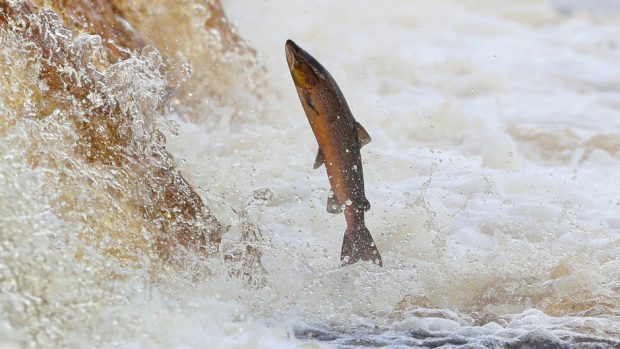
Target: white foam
[491,229]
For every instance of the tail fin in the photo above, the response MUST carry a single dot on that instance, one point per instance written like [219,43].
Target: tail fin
[358,244]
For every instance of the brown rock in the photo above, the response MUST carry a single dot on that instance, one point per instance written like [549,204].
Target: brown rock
[116,155]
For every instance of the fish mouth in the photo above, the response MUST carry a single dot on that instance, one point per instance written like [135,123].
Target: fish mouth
[291,50]
[302,66]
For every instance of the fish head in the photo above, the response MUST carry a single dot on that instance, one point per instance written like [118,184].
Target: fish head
[306,71]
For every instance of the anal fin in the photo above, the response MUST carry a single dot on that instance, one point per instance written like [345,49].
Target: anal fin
[333,205]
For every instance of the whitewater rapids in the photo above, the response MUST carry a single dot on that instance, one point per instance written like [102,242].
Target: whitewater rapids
[492,175]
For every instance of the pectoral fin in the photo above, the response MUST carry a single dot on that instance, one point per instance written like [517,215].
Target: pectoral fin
[333,205]
[319,159]
[362,135]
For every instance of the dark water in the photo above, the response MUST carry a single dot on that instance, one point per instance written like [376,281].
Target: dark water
[362,337]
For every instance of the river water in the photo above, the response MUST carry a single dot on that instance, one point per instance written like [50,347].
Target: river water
[492,175]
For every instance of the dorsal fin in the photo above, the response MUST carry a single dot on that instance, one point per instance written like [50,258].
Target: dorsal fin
[362,135]
[319,160]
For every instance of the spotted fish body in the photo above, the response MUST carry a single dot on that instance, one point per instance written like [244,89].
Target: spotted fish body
[340,139]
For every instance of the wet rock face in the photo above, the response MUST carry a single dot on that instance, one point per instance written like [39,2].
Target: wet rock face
[98,17]
[90,96]
[196,35]
[224,69]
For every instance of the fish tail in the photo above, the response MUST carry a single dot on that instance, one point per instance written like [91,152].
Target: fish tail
[358,244]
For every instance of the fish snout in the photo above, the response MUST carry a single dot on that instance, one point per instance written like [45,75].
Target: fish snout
[302,66]
[291,50]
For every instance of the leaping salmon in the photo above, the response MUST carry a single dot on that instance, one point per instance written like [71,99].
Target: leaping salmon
[340,138]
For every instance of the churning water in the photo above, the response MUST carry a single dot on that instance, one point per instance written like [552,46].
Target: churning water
[492,175]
